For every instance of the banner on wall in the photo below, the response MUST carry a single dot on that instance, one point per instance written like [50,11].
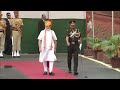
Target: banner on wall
[4,14]
[27,14]
[50,14]
[67,14]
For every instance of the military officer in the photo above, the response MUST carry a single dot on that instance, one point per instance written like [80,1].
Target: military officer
[73,40]
[8,40]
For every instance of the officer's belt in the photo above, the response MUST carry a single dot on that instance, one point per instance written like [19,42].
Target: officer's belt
[72,42]
[15,30]
[1,30]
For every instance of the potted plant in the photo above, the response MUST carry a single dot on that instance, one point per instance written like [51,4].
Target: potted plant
[95,43]
[111,47]
[88,51]
[105,58]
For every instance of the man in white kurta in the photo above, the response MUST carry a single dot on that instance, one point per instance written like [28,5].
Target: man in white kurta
[47,47]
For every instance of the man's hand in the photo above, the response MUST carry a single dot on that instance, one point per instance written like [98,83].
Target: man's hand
[39,45]
[40,50]
[11,36]
[67,41]
[13,28]
[55,50]
[68,44]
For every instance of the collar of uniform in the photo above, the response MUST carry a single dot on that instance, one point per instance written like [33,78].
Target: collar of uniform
[1,19]
[17,18]
[72,30]
[43,20]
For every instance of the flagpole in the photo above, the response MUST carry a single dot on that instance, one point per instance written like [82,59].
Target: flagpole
[93,23]
[48,14]
[112,23]
[86,29]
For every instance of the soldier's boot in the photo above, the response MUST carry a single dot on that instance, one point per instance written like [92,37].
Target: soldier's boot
[15,54]
[1,54]
[18,54]
[12,54]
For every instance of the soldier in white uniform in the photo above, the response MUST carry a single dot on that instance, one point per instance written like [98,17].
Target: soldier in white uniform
[47,42]
[89,24]
[89,29]
[2,34]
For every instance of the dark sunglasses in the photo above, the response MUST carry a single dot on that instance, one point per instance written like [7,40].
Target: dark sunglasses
[8,15]
[72,25]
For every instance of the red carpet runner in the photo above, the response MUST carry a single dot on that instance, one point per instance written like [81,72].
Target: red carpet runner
[34,70]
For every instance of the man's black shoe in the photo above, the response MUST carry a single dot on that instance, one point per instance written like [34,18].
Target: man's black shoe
[75,73]
[70,71]
[45,73]
[51,73]
[1,57]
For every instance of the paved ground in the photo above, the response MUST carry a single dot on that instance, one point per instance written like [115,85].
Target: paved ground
[11,73]
[87,69]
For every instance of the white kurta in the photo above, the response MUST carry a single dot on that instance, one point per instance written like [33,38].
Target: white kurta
[46,54]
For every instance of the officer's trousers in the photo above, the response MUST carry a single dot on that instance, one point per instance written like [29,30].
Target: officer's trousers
[73,50]
[2,41]
[8,44]
[16,41]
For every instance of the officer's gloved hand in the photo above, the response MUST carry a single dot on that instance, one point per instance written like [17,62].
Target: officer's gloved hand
[80,46]
[68,44]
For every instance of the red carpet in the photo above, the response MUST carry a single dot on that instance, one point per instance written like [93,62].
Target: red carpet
[34,70]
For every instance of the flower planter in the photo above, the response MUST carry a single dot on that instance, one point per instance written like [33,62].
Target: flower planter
[100,56]
[88,52]
[106,59]
[115,62]
[95,53]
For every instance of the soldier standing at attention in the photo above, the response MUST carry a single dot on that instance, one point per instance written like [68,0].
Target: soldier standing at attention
[89,25]
[2,34]
[16,24]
